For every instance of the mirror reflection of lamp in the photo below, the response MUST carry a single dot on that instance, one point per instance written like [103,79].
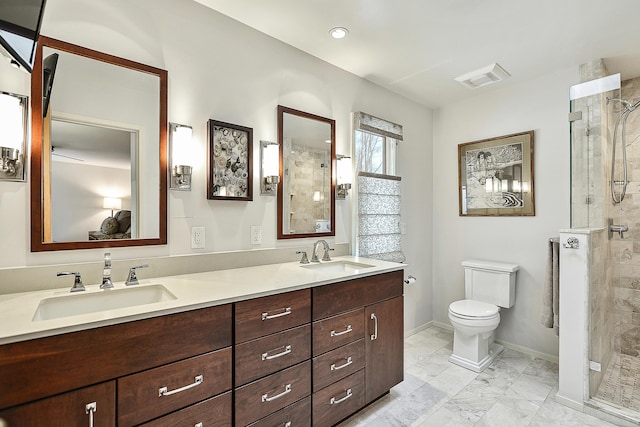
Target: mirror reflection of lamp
[180,149]
[345,176]
[12,135]
[112,203]
[270,168]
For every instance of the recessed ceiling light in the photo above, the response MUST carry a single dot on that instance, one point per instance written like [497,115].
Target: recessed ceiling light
[339,32]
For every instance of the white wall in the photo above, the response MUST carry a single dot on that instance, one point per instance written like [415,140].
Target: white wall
[220,69]
[540,105]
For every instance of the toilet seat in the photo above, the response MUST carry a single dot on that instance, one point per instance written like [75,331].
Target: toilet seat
[471,309]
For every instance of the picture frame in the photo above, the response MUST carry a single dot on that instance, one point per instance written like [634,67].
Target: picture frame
[495,176]
[229,161]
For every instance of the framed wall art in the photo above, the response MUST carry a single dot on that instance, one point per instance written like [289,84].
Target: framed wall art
[495,176]
[229,156]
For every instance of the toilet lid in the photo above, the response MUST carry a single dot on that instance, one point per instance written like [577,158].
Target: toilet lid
[475,309]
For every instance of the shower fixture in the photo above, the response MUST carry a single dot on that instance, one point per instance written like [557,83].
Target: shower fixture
[624,113]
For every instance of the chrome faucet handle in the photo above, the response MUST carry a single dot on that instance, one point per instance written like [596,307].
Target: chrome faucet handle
[106,272]
[326,256]
[304,259]
[132,278]
[77,282]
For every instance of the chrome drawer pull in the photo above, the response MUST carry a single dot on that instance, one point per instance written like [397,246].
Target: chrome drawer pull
[287,350]
[334,401]
[346,331]
[198,425]
[267,316]
[164,392]
[287,424]
[266,398]
[375,327]
[89,409]
[344,365]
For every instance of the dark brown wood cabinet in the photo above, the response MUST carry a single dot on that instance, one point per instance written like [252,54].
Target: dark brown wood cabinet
[88,406]
[309,357]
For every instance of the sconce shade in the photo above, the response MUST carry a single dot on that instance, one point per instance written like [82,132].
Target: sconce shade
[181,145]
[270,160]
[112,203]
[11,122]
[345,174]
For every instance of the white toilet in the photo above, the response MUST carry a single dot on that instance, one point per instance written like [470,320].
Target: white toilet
[488,285]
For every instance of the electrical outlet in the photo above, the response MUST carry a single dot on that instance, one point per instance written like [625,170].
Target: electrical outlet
[256,234]
[197,238]
[403,227]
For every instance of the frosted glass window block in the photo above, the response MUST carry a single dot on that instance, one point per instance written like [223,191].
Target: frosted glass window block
[379,224]
[380,244]
[377,204]
[388,256]
[371,185]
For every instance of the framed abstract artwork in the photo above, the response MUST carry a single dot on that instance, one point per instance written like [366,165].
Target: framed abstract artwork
[495,176]
[229,157]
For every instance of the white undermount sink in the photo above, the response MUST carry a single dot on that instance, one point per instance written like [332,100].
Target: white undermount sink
[93,302]
[337,266]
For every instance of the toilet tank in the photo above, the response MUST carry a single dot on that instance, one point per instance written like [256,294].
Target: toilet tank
[490,281]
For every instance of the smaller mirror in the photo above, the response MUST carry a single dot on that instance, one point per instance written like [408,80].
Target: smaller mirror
[306,192]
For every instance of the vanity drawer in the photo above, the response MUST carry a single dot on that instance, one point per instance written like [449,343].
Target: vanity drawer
[260,398]
[337,364]
[339,297]
[337,330]
[214,412]
[140,396]
[263,316]
[296,415]
[339,400]
[263,356]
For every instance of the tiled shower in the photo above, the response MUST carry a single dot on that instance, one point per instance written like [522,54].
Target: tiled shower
[614,325]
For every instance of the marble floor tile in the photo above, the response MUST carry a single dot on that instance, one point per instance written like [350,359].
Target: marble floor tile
[515,390]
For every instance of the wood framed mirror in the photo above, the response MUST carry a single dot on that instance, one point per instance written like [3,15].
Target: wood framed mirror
[99,131]
[306,192]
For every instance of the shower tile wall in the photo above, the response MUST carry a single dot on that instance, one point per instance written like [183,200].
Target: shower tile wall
[310,173]
[626,251]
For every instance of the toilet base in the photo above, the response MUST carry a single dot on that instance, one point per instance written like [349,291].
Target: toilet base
[494,351]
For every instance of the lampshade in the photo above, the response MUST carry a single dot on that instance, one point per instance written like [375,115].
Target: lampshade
[112,203]
[181,145]
[270,160]
[345,174]
[11,122]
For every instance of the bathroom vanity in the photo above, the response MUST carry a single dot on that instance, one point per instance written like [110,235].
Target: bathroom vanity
[311,352]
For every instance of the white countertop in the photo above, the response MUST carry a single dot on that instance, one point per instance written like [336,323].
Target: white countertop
[192,291]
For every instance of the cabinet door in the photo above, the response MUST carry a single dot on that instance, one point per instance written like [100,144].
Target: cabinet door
[384,347]
[90,406]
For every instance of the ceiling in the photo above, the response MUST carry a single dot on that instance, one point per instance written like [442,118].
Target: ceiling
[417,47]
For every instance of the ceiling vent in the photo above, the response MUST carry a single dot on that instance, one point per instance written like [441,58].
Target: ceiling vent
[484,76]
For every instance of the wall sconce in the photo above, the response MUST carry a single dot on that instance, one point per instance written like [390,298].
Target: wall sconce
[112,203]
[13,134]
[345,176]
[270,169]
[180,147]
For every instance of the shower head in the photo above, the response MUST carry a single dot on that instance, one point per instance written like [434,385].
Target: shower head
[622,101]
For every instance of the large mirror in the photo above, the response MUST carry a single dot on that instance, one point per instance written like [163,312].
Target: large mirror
[306,192]
[98,156]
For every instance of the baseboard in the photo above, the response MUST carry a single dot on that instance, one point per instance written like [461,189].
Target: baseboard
[418,329]
[569,403]
[529,351]
[446,326]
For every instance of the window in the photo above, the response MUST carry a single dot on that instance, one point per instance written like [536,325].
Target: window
[375,153]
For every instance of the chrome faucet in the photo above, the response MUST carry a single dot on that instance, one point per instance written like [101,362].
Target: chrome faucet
[326,247]
[77,282]
[613,228]
[132,278]
[106,272]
